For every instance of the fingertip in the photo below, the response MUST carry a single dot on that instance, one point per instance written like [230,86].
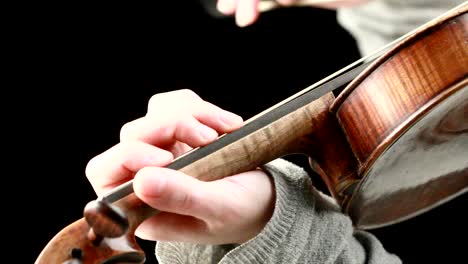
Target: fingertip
[227,7]
[247,12]
[245,20]
[149,184]
[230,120]
[195,134]
[168,190]
[286,2]
[206,135]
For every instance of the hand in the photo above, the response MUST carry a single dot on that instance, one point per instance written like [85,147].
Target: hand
[246,12]
[230,210]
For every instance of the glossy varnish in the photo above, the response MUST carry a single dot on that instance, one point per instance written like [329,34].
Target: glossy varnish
[406,119]
[391,146]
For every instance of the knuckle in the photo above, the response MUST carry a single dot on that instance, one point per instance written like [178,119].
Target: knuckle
[125,132]
[187,202]
[169,98]
[91,168]
[187,93]
[124,149]
[154,102]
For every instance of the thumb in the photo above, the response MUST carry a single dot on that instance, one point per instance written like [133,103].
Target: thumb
[173,191]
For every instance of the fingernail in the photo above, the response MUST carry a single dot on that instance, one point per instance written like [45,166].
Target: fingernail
[149,185]
[207,133]
[230,119]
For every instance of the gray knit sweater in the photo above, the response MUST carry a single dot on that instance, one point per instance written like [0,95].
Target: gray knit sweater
[378,22]
[306,227]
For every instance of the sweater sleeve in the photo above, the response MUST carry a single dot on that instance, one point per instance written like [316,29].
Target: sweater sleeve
[379,22]
[306,227]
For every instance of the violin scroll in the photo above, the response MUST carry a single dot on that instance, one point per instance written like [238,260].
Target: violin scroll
[366,145]
[101,236]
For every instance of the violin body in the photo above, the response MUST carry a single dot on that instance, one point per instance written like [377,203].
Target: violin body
[392,145]
[406,119]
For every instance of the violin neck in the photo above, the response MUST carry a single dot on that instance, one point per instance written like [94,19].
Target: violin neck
[311,130]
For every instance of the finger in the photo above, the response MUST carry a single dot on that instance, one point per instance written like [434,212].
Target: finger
[187,103]
[246,12]
[286,2]
[119,164]
[195,122]
[218,207]
[227,7]
[173,191]
[165,132]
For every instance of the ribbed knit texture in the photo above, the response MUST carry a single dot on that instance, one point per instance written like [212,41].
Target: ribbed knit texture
[379,22]
[307,226]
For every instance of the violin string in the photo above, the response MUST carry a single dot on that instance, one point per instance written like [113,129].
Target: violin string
[127,188]
[372,57]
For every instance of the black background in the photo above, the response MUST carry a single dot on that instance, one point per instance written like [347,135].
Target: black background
[82,71]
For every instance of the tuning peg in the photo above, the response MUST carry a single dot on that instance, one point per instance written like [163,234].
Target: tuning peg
[105,220]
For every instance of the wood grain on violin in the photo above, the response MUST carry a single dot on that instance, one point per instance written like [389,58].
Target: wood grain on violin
[406,119]
[391,146]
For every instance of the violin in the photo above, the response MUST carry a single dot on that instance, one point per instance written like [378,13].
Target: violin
[392,145]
